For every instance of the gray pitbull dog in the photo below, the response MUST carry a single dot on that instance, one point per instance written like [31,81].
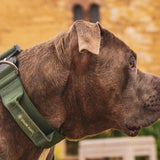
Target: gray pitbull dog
[83,81]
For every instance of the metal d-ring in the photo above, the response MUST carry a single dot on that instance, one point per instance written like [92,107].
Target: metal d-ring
[11,64]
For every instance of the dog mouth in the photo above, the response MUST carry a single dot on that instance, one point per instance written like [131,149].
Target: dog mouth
[132,131]
[132,128]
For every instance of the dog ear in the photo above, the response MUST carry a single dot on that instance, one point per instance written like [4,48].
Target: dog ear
[89,36]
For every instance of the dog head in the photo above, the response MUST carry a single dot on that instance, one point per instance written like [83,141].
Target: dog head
[105,88]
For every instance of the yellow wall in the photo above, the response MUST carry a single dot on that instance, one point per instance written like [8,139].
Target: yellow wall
[26,22]
[136,22]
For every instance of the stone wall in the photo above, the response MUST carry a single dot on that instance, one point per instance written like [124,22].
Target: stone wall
[136,22]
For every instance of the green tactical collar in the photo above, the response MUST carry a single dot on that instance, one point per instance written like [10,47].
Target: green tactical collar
[16,101]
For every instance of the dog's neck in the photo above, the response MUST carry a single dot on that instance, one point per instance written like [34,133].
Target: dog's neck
[43,78]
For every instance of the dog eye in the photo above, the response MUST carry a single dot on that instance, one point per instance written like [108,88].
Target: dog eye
[132,62]
[131,65]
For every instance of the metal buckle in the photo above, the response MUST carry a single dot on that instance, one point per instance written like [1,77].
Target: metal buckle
[4,61]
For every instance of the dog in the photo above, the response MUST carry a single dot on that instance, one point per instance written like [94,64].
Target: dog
[83,81]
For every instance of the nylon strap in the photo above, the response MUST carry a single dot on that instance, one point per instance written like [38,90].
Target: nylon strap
[15,99]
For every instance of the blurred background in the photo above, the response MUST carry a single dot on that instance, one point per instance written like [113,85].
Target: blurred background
[136,22]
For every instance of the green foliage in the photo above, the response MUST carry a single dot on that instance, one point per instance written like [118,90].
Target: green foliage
[153,130]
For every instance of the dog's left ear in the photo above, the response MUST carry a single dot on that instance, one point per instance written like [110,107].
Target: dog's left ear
[89,36]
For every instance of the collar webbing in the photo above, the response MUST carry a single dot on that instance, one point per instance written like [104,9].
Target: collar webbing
[26,115]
